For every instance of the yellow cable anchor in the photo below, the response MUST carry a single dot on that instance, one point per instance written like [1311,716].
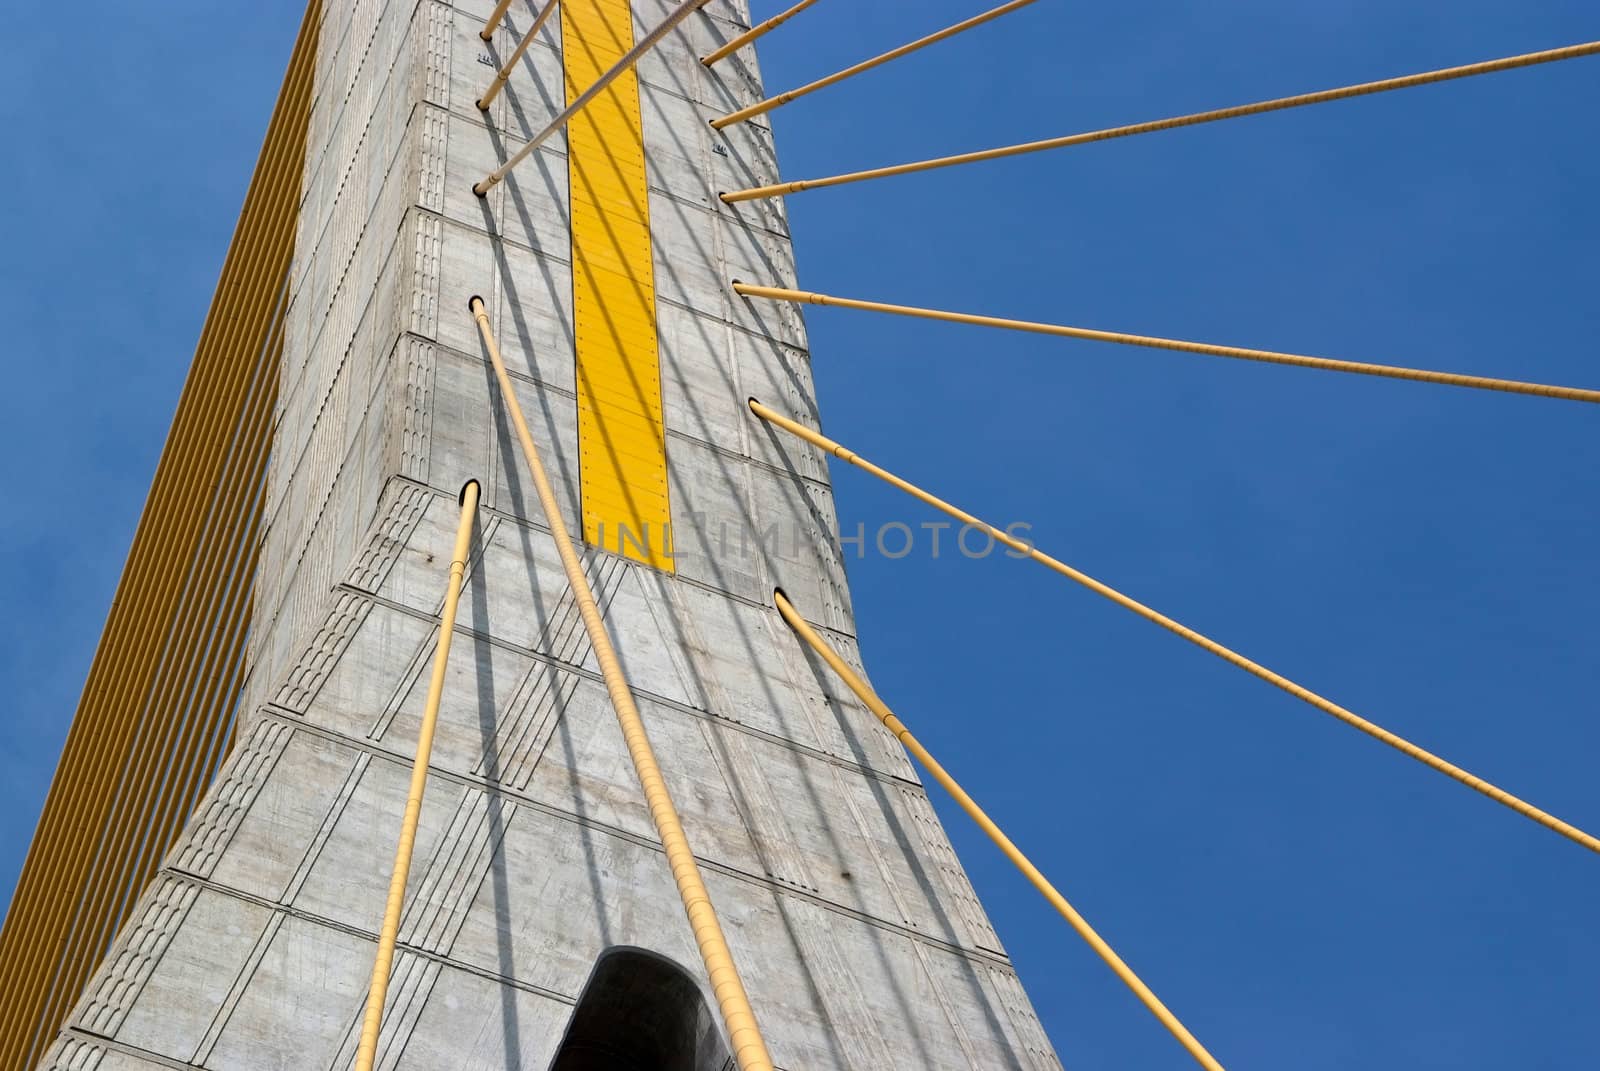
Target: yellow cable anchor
[1297,360]
[372,1021]
[503,75]
[749,1049]
[865,693]
[499,12]
[622,66]
[758,30]
[763,106]
[1278,104]
[1427,758]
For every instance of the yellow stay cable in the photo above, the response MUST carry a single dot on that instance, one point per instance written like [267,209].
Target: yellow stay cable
[372,1021]
[865,693]
[218,591]
[134,841]
[1400,744]
[1420,375]
[62,853]
[758,30]
[749,1049]
[1342,93]
[621,67]
[499,12]
[763,106]
[503,75]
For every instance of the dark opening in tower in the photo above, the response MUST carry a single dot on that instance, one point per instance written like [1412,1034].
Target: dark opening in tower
[641,1012]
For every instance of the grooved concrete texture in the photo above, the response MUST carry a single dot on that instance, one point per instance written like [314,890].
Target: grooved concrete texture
[858,934]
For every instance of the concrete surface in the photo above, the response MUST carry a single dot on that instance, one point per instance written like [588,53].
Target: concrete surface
[859,936]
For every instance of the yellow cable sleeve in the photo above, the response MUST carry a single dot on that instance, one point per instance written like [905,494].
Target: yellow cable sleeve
[761,29]
[493,21]
[1297,360]
[1400,744]
[503,75]
[372,1021]
[763,106]
[623,65]
[749,1048]
[63,869]
[1278,104]
[994,833]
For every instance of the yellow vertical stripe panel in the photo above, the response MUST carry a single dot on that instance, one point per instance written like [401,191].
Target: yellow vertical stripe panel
[622,448]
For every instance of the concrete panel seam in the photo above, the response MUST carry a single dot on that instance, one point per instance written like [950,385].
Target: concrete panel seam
[289,911]
[672,433]
[330,820]
[847,639]
[580,671]
[441,774]
[224,1012]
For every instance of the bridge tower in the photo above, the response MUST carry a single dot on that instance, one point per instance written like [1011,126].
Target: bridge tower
[208,878]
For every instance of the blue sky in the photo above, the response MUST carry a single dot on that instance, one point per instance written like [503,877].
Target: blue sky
[1300,895]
